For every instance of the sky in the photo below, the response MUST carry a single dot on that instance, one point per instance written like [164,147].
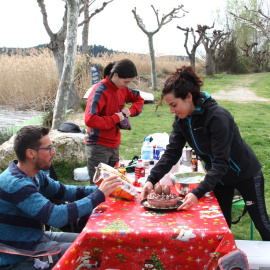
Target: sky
[115,28]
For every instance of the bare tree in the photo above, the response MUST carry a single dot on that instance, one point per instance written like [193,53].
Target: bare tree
[196,43]
[67,78]
[248,48]
[258,21]
[57,41]
[86,21]
[218,56]
[261,58]
[210,45]
[57,46]
[164,20]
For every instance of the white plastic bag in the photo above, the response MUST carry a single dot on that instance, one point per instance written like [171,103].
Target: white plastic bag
[160,139]
[81,174]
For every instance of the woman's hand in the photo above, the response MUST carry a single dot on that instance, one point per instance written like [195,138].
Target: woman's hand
[148,186]
[110,184]
[189,201]
[121,116]
[126,111]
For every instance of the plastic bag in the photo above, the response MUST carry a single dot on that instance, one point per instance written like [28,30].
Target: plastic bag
[126,191]
[124,124]
[81,174]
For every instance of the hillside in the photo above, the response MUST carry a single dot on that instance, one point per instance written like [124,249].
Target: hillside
[93,49]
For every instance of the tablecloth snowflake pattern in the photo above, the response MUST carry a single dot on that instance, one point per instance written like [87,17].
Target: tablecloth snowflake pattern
[123,234]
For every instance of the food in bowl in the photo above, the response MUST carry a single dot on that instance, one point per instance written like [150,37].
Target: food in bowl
[161,197]
[185,182]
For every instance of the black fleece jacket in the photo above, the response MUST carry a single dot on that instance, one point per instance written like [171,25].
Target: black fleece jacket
[213,134]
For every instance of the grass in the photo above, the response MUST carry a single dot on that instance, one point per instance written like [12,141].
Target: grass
[252,119]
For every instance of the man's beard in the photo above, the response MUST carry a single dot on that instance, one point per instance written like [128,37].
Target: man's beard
[42,165]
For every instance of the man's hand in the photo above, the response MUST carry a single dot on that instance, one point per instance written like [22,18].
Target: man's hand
[148,186]
[121,116]
[110,184]
[126,111]
[189,201]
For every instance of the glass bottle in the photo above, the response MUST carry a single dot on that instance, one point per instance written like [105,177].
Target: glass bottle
[139,172]
[194,162]
[122,167]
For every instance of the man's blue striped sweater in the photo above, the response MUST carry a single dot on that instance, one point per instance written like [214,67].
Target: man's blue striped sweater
[25,206]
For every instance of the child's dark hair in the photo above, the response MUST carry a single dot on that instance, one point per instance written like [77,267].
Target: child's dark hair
[125,68]
[182,82]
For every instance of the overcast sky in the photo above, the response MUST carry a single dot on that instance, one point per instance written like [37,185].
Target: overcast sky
[114,28]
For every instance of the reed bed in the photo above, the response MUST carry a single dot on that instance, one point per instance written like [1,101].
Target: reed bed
[29,78]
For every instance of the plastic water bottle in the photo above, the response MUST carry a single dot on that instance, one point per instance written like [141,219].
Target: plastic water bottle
[147,150]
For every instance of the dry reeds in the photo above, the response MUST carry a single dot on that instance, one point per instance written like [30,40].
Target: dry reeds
[30,80]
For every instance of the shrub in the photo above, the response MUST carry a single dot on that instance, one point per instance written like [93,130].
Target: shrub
[232,61]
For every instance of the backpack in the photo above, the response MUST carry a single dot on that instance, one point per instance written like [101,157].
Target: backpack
[69,127]
[236,260]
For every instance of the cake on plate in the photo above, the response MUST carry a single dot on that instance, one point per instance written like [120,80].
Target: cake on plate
[161,197]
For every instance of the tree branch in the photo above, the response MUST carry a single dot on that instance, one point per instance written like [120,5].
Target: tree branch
[94,13]
[261,25]
[164,20]
[45,17]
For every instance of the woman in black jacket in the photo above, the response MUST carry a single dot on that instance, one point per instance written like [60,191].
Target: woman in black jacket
[211,131]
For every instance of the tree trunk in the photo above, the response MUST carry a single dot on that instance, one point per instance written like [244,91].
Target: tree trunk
[192,57]
[208,63]
[153,62]
[67,77]
[85,31]
[58,48]
[192,61]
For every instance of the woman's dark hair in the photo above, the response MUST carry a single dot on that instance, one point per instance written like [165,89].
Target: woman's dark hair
[28,137]
[125,68]
[182,82]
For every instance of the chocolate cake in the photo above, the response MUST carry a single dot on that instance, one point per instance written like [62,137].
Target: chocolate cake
[161,197]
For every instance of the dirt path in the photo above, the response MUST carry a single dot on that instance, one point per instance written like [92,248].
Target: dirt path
[240,95]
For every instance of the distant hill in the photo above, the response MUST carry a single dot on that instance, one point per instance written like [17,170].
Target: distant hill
[93,49]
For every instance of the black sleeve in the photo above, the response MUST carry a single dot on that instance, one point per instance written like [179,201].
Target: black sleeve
[53,174]
[170,157]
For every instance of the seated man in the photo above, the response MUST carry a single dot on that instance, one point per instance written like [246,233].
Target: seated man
[25,191]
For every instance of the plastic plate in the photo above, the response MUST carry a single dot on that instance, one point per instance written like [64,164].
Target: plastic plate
[146,204]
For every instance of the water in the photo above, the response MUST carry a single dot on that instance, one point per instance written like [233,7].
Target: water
[11,120]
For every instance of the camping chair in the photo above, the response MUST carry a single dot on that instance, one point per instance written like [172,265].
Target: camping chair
[45,255]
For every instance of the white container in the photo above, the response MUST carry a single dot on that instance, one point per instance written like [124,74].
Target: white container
[81,174]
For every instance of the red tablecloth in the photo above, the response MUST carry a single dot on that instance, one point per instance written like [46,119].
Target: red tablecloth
[125,235]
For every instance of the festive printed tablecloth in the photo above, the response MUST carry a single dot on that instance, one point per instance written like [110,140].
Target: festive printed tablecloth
[125,235]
